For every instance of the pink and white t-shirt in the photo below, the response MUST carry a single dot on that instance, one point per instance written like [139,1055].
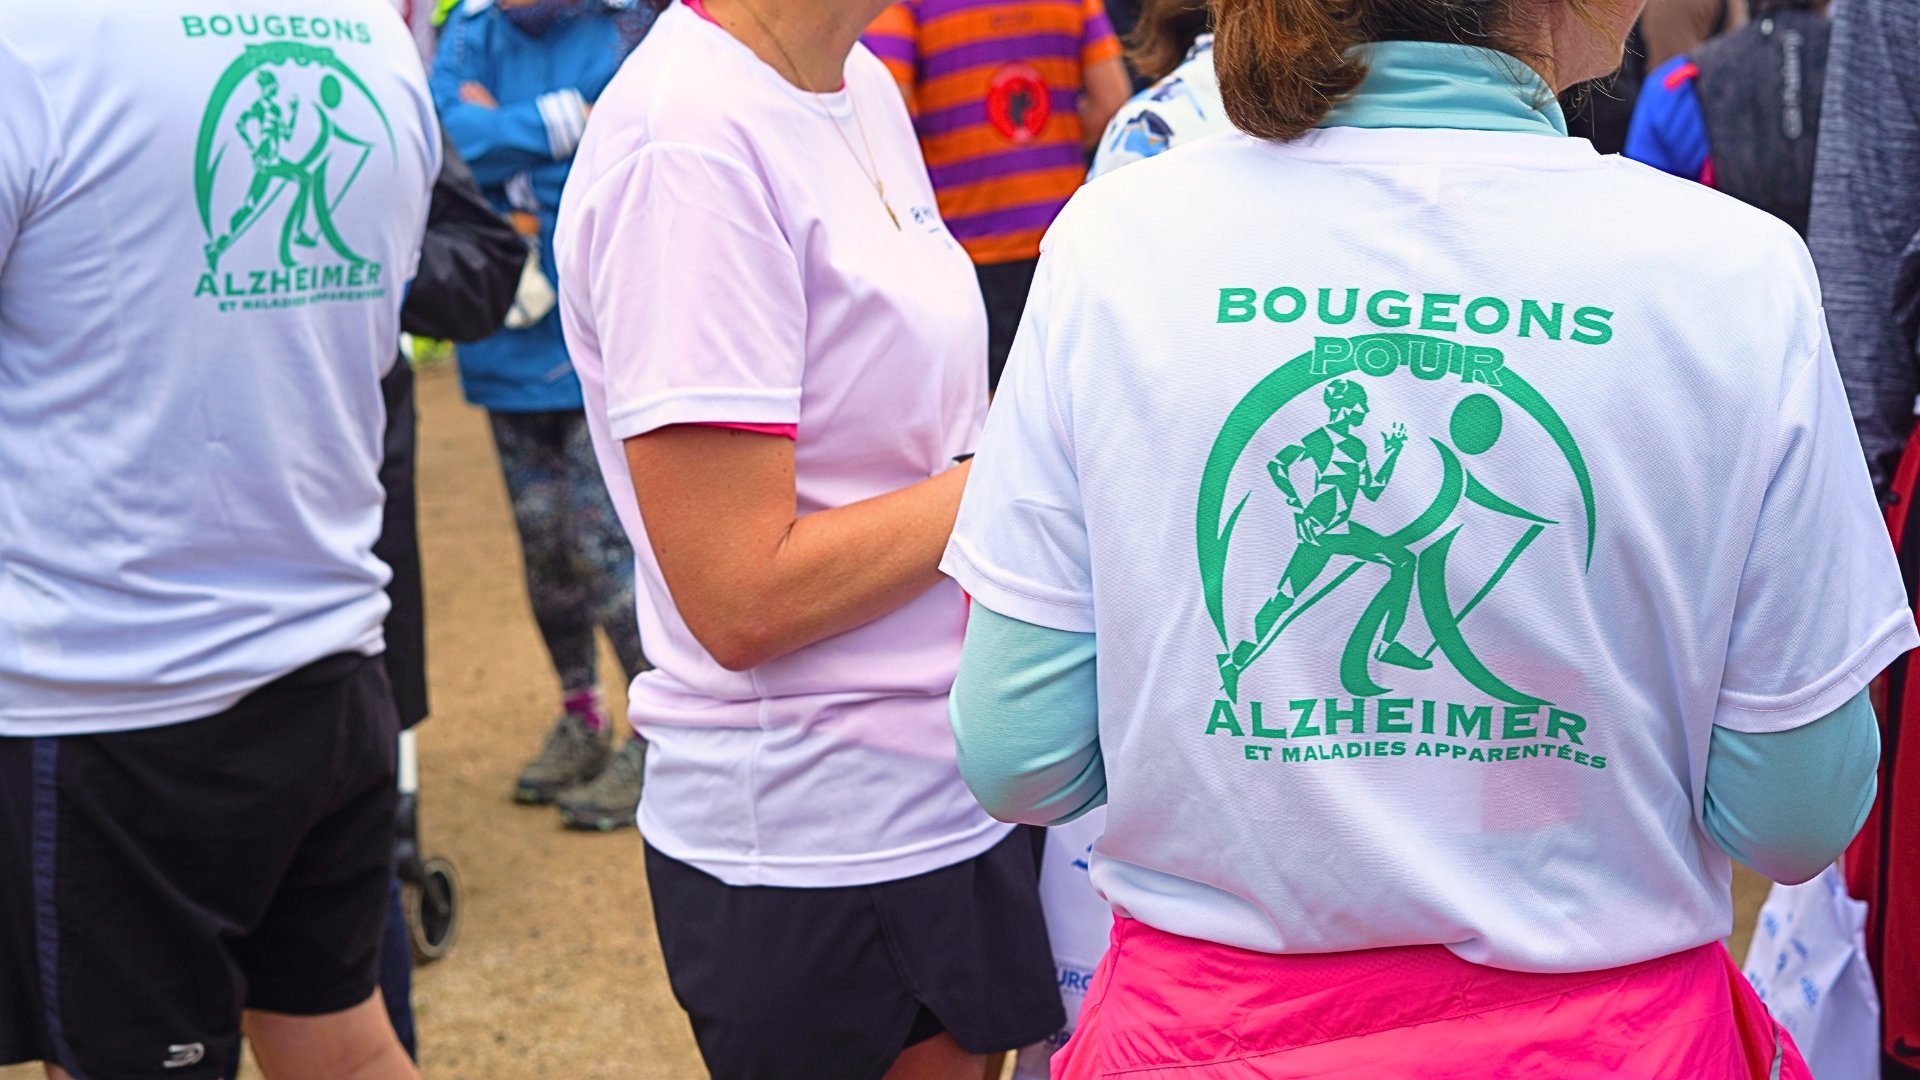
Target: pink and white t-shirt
[724,258]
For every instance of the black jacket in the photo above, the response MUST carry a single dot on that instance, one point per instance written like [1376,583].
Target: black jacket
[470,264]
[470,261]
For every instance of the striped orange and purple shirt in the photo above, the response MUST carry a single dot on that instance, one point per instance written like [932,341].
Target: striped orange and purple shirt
[995,91]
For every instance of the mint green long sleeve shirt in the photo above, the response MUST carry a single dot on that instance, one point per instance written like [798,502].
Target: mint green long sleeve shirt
[1025,711]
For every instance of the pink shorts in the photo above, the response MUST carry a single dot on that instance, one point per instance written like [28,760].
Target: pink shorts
[1169,1007]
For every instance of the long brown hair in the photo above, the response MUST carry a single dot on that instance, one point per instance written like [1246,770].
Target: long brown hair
[1162,35]
[1283,64]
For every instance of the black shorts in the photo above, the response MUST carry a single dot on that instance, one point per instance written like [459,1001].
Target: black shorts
[831,984]
[158,882]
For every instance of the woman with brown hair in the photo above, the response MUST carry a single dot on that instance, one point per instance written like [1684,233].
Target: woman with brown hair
[1443,549]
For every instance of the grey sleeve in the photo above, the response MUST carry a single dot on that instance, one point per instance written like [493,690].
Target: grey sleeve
[1866,212]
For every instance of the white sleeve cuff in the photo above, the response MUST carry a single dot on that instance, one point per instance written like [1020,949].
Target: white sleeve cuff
[1014,596]
[1759,714]
[565,114]
[704,405]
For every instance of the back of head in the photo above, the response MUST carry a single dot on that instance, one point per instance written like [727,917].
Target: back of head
[1165,32]
[1283,64]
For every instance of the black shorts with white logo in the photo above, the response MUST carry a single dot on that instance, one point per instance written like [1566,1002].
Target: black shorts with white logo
[833,983]
[154,884]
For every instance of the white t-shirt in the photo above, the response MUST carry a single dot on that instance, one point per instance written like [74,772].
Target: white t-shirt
[1490,474]
[208,216]
[723,259]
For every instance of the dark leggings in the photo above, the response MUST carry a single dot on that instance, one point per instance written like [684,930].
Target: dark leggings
[579,565]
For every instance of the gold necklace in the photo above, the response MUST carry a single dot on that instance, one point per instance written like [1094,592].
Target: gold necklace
[871,170]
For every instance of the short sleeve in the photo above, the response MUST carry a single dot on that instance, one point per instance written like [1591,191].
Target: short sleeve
[1098,43]
[1020,545]
[894,37]
[1821,608]
[696,295]
[29,145]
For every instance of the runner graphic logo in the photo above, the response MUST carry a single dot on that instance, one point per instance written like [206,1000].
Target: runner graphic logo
[287,134]
[1414,579]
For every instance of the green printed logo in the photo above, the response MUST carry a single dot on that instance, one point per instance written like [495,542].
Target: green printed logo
[1328,474]
[287,134]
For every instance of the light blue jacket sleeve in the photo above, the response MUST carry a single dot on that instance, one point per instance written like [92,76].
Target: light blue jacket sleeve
[1025,711]
[519,135]
[1787,803]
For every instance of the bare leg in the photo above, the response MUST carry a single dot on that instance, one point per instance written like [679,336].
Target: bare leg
[353,1044]
[938,1058]
[55,1072]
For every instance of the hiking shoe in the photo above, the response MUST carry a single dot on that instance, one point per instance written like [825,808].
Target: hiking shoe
[572,755]
[609,800]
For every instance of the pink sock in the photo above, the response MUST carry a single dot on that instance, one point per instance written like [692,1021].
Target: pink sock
[586,705]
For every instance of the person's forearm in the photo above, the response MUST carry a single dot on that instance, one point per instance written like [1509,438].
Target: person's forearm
[1108,86]
[1026,720]
[753,581]
[1090,135]
[500,141]
[843,568]
[1787,803]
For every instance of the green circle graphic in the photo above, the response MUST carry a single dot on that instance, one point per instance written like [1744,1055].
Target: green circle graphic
[1476,424]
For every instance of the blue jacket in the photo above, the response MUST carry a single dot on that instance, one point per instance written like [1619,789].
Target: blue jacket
[1668,131]
[520,154]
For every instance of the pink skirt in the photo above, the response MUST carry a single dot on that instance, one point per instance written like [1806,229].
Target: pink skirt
[1174,1008]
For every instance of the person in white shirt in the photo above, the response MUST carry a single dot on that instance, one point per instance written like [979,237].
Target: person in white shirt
[1442,549]
[781,346]
[208,219]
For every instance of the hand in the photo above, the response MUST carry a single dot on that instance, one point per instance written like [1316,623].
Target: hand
[474,94]
[1395,439]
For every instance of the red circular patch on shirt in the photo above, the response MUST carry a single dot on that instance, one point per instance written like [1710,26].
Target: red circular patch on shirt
[1018,103]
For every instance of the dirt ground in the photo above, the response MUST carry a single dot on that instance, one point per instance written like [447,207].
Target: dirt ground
[557,972]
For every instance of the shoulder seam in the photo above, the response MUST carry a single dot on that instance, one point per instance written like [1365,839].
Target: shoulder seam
[55,139]
[696,150]
[626,162]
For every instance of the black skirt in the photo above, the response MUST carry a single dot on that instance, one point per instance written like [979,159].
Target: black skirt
[834,983]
